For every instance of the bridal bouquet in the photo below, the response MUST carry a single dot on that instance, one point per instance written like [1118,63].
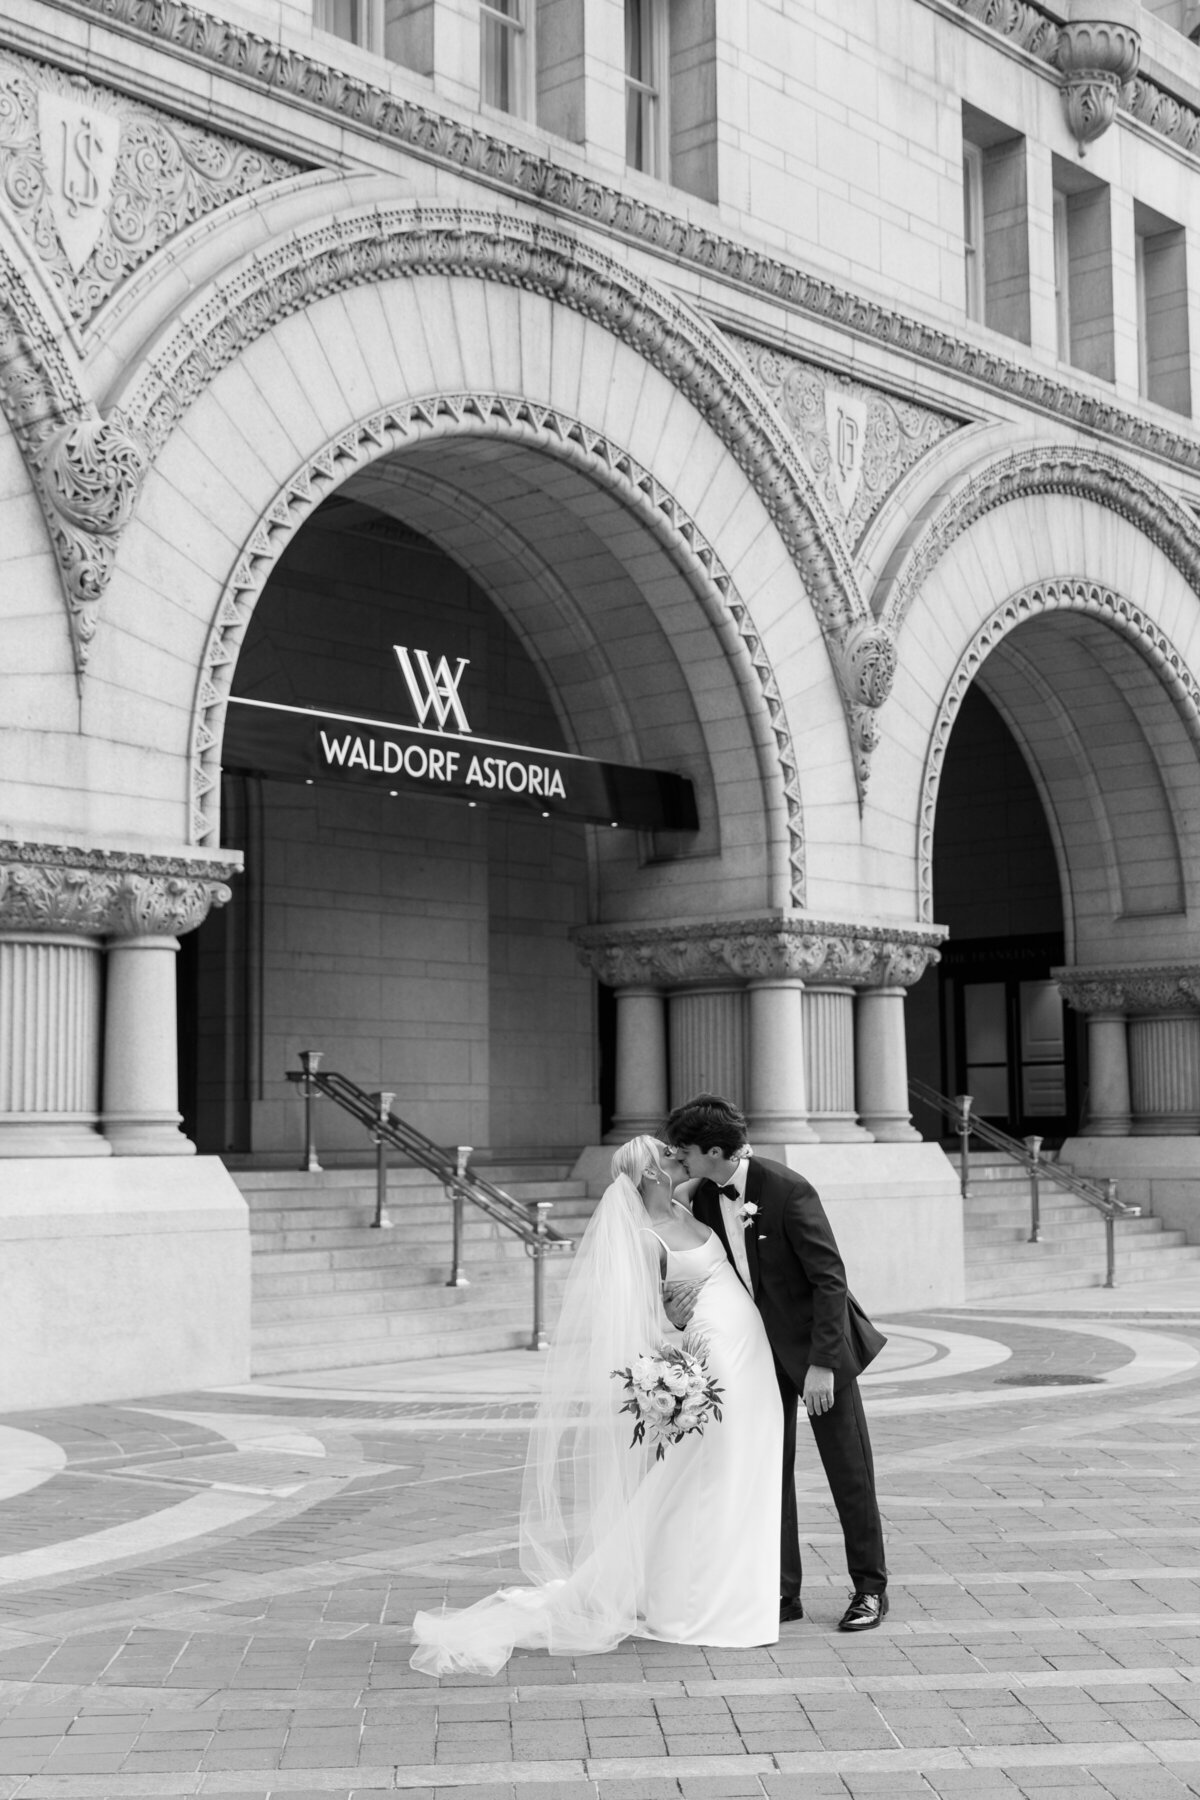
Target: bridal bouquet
[669,1395]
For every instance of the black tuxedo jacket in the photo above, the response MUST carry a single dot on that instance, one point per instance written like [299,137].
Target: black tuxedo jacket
[797,1274]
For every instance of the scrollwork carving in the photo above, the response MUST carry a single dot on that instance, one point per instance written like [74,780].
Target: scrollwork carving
[895,432]
[1154,988]
[101,893]
[166,173]
[1072,595]
[817,952]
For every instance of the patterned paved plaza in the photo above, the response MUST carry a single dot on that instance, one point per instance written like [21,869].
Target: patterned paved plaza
[208,1593]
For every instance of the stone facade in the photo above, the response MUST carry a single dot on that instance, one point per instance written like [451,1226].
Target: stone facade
[869,400]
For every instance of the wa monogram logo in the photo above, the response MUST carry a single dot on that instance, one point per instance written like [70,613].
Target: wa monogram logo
[79,145]
[433,690]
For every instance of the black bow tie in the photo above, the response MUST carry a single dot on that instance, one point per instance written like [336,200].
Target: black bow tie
[729,1191]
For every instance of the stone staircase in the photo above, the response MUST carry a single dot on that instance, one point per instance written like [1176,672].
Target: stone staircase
[329,1292]
[1000,1262]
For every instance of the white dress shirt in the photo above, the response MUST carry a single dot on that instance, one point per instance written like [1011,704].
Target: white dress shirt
[735,1226]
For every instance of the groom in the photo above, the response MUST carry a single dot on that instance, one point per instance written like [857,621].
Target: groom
[775,1232]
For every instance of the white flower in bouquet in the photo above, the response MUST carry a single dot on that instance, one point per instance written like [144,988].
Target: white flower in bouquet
[669,1395]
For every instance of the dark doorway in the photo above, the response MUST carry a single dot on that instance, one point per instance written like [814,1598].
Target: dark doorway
[989,1021]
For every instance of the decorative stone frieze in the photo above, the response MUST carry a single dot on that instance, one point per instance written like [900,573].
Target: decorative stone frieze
[301,80]
[1097,57]
[406,426]
[817,952]
[1073,470]
[1070,595]
[1023,23]
[98,182]
[858,440]
[87,471]
[1154,988]
[106,893]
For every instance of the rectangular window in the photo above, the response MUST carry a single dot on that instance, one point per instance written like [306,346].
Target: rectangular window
[1083,273]
[1062,308]
[1164,360]
[995,225]
[972,170]
[355,21]
[646,56]
[504,55]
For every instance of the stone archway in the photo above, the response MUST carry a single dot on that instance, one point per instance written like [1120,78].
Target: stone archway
[492,417]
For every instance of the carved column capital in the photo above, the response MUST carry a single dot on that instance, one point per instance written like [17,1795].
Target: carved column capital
[816,951]
[106,893]
[1097,57]
[1154,988]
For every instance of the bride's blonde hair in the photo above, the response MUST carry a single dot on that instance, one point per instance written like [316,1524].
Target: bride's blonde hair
[634,1158]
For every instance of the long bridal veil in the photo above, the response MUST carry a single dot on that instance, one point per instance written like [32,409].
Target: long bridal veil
[582,1532]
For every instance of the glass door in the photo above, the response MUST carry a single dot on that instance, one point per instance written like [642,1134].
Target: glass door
[1007,1039]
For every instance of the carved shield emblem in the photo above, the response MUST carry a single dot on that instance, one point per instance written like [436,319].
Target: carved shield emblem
[846,423]
[79,153]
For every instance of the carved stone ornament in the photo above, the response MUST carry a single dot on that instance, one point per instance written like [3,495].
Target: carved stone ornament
[493,415]
[263,63]
[98,183]
[1069,469]
[106,893]
[815,951]
[1155,988]
[1071,595]
[1097,57]
[87,471]
[858,440]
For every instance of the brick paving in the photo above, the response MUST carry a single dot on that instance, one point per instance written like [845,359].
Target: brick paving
[211,1596]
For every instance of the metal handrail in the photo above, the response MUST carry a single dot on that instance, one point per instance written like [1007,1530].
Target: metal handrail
[460,1182]
[968,1124]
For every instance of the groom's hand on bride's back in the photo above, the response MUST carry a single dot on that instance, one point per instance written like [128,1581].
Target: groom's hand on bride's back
[679,1302]
[818,1391]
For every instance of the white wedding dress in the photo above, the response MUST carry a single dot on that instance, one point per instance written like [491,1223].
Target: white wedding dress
[684,1550]
[713,1503]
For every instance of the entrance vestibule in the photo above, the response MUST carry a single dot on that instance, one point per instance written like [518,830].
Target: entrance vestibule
[419,942]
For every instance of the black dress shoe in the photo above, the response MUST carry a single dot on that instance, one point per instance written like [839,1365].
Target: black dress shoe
[864,1612]
[790,1608]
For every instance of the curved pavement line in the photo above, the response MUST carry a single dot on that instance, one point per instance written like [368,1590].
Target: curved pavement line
[191,1518]
[1156,1359]
[1155,1355]
[245,1431]
[26,1460]
[965,1355]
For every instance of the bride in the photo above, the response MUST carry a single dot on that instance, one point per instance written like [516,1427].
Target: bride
[618,1544]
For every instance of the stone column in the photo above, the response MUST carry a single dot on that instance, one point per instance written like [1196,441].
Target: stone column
[641,1072]
[1164,1074]
[829,1064]
[882,1065]
[141,1065]
[50,1045]
[1143,1044]
[57,906]
[1109,1105]
[763,1010]
[708,1042]
[777,1103]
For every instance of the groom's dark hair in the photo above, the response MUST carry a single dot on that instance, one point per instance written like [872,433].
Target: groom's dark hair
[709,1121]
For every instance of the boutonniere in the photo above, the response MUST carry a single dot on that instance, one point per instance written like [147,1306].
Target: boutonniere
[746,1213]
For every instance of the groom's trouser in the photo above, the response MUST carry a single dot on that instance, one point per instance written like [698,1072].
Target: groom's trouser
[844,1446]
